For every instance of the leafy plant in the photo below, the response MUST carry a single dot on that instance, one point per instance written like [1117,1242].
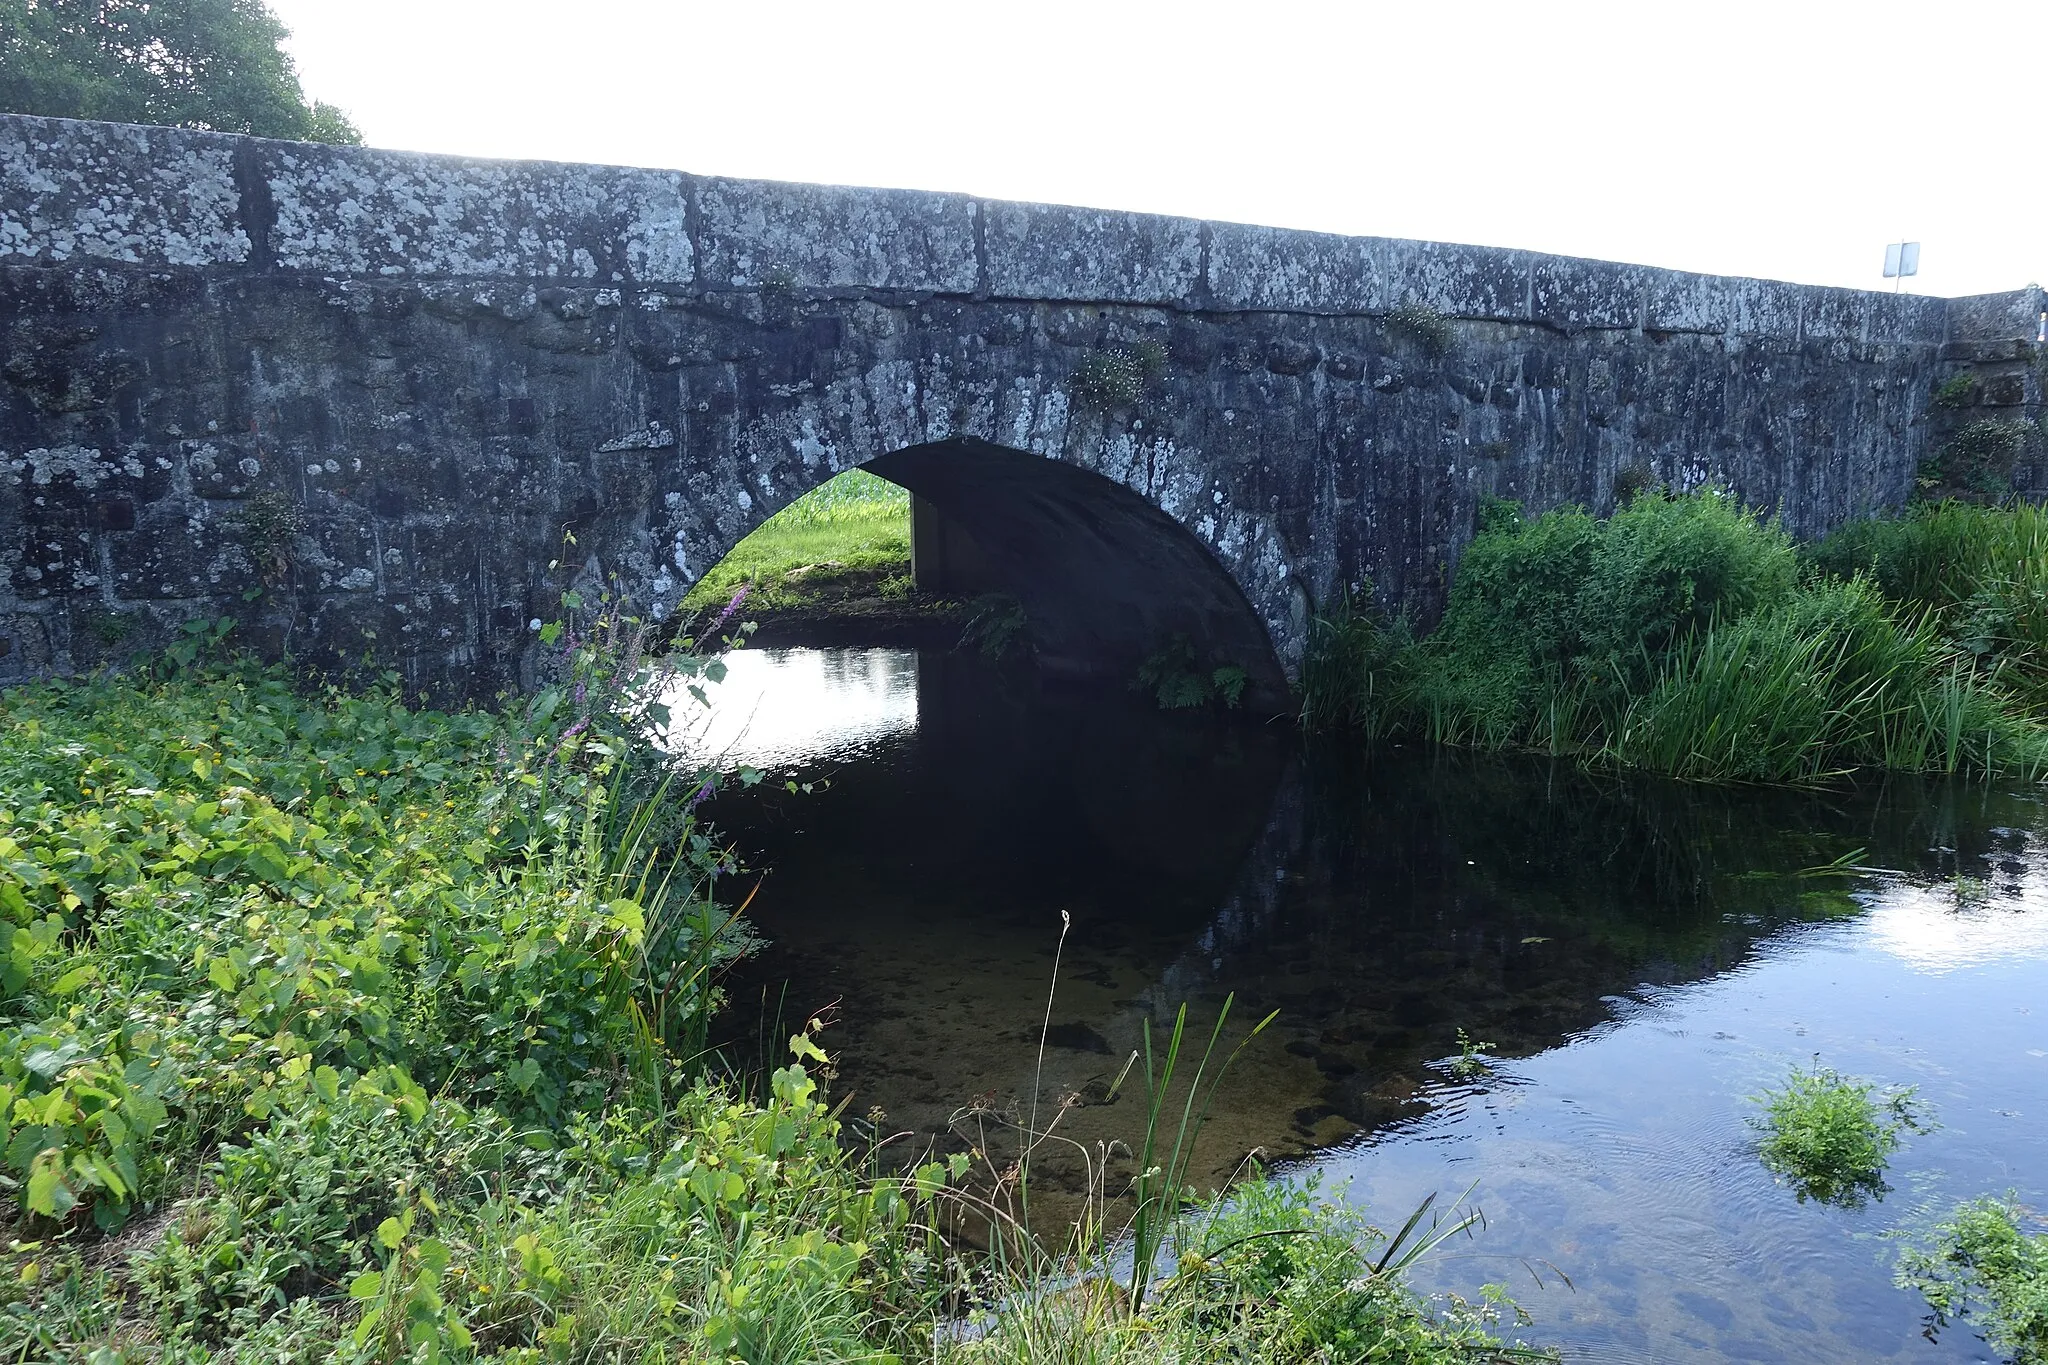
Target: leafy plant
[1830,1136]
[997,626]
[1471,1063]
[1179,680]
[1118,376]
[1981,1264]
[271,523]
[1955,392]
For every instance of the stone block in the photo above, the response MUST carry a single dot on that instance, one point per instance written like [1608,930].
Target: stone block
[1678,301]
[1577,295]
[757,233]
[1307,272]
[348,211]
[1996,317]
[1833,314]
[1765,308]
[1907,319]
[1046,251]
[1463,281]
[76,192]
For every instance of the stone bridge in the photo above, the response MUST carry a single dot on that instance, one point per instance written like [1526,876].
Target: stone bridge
[386,408]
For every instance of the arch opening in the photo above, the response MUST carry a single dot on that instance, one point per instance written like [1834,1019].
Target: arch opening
[1106,579]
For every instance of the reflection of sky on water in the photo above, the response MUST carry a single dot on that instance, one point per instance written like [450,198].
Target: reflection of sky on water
[784,708]
[1627,1159]
[1941,928]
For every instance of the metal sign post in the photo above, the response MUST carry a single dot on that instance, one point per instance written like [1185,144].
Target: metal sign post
[1900,260]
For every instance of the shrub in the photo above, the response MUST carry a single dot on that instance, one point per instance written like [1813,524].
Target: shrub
[1678,636]
[1981,1264]
[1827,1136]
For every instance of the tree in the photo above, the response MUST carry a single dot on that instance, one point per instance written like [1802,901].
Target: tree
[215,64]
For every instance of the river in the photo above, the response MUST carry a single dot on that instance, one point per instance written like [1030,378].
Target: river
[1643,957]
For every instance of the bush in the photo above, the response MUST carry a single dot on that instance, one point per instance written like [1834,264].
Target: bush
[1683,636]
[1827,1136]
[1981,571]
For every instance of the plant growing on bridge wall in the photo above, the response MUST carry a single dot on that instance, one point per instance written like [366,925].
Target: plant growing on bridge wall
[1117,377]
[270,523]
[1980,459]
[1423,325]
[1955,392]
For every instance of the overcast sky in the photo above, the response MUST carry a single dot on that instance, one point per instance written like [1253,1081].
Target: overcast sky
[1791,140]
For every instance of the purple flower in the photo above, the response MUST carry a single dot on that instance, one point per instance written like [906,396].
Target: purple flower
[580,692]
[701,795]
[739,596]
[578,728]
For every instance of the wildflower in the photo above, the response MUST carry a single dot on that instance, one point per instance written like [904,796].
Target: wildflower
[739,595]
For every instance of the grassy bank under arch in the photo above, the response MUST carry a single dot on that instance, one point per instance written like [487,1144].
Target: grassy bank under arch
[1686,635]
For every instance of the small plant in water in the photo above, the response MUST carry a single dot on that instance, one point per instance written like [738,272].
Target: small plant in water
[1980,1263]
[1471,1063]
[1829,1135]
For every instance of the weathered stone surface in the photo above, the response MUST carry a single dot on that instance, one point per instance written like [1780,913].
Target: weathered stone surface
[1463,281]
[761,232]
[336,211]
[412,399]
[1266,268]
[108,191]
[1048,251]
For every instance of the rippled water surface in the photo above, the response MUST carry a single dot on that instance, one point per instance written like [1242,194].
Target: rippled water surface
[1643,955]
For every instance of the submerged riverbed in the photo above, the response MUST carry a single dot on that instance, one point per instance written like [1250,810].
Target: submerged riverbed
[1642,955]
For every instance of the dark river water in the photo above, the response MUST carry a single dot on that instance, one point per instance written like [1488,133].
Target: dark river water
[1644,956]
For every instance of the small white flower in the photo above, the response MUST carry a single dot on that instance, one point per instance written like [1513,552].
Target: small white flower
[534,624]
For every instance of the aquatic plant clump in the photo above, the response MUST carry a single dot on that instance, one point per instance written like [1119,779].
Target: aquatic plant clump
[1830,1136]
[1981,1264]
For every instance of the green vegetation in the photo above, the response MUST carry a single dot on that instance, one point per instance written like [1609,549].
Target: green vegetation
[1271,1273]
[217,64]
[1180,680]
[1978,461]
[848,535]
[1981,1264]
[1117,377]
[1471,1063]
[1685,635]
[1829,1138]
[1427,328]
[332,1029]
[1980,573]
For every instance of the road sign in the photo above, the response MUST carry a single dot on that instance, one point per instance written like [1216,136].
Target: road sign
[1901,258]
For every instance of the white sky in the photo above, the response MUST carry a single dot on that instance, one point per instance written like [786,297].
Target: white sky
[1790,139]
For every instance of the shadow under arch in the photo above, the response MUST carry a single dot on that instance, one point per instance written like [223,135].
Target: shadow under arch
[1105,577]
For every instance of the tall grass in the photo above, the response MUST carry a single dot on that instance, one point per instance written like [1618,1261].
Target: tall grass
[1684,636]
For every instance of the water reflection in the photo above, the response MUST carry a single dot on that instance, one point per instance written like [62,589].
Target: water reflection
[1644,954]
[785,708]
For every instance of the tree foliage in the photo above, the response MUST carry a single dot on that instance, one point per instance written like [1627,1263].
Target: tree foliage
[212,64]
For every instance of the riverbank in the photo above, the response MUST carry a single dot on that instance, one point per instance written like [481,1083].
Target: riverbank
[333,1029]
[1687,636]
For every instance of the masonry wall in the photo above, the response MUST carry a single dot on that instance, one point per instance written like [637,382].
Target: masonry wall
[357,399]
